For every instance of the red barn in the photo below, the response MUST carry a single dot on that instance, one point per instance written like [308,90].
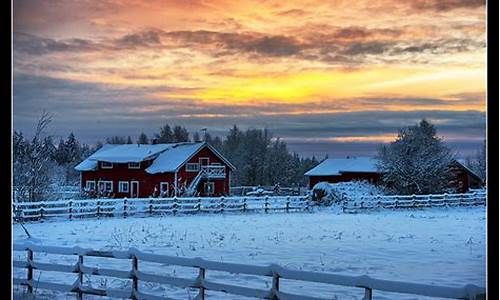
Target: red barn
[167,170]
[335,170]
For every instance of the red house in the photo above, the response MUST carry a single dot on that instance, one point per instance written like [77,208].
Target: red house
[166,170]
[335,170]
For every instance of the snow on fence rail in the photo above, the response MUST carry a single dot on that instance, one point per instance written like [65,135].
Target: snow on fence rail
[29,211]
[414,201]
[202,283]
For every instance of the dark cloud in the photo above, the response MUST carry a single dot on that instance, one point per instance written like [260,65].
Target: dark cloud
[141,39]
[34,45]
[446,5]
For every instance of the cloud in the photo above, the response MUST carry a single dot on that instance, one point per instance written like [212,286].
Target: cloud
[447,5]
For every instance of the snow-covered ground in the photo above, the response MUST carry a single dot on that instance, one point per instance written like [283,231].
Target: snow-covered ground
[435,246]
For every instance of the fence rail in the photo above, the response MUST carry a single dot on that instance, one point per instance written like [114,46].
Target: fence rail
[414,201]
[202,283]
[33,211]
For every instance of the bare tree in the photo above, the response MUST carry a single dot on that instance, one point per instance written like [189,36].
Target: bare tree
[31,166]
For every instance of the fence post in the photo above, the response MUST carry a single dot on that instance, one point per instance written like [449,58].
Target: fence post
[221,204]
[396,204]
[124,207]
[174,206]
[150,206]
[266,204]
[70,209]
[275,285]
[368,294]
[445,198]
[201,278]
[199,204]
[135,280]
[98,208]
[41,211]
[30,271]
[287,208]
[244,204]
[79,294]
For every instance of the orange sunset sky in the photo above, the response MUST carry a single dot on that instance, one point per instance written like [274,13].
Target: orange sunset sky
[332,77]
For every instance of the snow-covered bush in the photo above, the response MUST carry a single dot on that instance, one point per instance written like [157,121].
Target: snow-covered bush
[324,193]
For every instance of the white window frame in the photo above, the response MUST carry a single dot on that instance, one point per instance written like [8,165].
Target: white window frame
[207,158]
[197,169]
[106,182]
[87,187]
[163,183]
[205,188]
[216,164]
[106,167]
[136,167]
[120,187]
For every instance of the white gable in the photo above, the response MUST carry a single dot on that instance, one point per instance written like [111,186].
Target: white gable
[336,166]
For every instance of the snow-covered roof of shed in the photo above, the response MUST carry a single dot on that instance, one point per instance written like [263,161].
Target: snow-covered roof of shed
[88,164]
[171,159]
[336,166]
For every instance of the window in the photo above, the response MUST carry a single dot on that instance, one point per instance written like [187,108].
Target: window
[209,188]
[106,165]
[164,189]
[192,167]
[90,185]
[105,186]
[134,165]
[123,187]
[204,161]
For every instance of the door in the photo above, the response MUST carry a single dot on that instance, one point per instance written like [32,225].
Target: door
[134,189]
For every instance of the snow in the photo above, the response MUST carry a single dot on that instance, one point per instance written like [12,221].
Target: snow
[444,247]
[335,166]
[89,164]
[174,157]
[130,153]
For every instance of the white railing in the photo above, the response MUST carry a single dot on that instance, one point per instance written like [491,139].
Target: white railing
[152,206]
[202,283]
[213,171]
[414,201]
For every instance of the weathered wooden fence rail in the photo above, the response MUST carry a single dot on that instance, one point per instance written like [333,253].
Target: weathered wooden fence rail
[202,283]
[32,211]
[413,201]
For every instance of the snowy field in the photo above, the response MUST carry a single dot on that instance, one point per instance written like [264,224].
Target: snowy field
[435,246]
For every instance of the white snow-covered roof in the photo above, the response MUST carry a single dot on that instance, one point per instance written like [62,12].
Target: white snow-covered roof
[167,157]
[336,166]
[130,153]
[171,159]
[88,164]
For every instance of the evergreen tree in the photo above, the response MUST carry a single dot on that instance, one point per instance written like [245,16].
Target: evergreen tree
[196,137]
[129,140]
[165,136]
[143,139]
[180,134]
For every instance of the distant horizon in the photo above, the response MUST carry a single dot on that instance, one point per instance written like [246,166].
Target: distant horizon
[318,149]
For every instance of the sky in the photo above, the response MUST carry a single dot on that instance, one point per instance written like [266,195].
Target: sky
[328,77]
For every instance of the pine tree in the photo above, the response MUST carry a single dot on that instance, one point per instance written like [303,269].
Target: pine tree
[129,140]
[143,139]
[165,136]
[180,134]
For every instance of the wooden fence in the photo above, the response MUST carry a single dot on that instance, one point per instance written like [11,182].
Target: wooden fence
[34,211]
[201,282]
[413,201]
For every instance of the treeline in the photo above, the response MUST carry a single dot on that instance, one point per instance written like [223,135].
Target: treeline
[259,158]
